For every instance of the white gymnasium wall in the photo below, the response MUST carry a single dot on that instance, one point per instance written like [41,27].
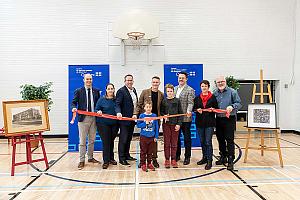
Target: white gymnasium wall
[39,39]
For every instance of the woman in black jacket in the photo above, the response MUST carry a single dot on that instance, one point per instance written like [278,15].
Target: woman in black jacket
[205,122]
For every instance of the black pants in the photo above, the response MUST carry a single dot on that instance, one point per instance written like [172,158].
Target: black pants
[126,132]
[225,135]
[108,134]
[186,130]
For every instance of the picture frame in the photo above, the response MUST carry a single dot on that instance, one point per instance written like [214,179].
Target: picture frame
[25,116]
[262,116]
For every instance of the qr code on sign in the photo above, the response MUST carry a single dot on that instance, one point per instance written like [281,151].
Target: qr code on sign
[261,116]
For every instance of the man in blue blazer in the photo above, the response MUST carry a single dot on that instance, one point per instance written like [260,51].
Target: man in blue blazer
[85,98]
[126,101]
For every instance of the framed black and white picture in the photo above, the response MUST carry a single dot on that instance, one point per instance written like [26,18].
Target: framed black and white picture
[25,116]
[262,116]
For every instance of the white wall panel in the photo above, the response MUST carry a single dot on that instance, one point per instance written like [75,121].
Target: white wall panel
[39,39]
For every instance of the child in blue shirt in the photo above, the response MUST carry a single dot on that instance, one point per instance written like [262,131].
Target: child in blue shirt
[148,136]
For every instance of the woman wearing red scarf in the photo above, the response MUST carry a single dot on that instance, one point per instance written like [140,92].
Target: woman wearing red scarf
[205,122]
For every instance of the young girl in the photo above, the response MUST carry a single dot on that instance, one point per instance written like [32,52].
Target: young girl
[171,106]
[148,136]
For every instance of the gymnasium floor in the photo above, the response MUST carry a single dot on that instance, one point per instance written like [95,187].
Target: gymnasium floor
[259,178]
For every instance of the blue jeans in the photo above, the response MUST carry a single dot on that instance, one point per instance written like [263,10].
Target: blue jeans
[205,135]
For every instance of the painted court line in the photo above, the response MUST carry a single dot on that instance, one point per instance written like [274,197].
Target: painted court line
[70,189]
[284,174]
[37,153]
[296,167]
[220,185]
[67,172]
[132,170]
[153,187]
[193,182]
[136,189]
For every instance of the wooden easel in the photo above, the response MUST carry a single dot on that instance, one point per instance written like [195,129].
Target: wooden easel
[262,147]
[261,93]
[29,138]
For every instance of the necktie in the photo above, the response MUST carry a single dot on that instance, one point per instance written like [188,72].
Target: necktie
[89,100]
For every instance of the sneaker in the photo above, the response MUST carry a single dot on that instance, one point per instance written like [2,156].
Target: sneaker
[174,164]
[167,164]
[155,163]
[80,165]
[144,168]
[151,167]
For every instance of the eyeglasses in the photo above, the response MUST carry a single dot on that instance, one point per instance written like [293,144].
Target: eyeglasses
[219,82]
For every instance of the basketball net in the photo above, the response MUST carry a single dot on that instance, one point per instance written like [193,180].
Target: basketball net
[135,39]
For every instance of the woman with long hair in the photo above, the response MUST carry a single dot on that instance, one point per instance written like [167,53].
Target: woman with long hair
[107,128]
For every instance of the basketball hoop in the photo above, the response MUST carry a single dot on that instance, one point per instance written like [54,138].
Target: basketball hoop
[136,35]
[136,39]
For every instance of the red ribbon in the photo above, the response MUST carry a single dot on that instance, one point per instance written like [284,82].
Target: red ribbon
[120,118]
[107,116]
[215,110]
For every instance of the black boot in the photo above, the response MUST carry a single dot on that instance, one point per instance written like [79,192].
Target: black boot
[230,163]
[208,165]
[222,160]
[202,161]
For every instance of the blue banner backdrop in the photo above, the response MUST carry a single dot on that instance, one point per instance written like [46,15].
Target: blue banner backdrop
[100,75]
[195,72]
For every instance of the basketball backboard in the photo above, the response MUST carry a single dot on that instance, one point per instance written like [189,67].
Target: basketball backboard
[136,21]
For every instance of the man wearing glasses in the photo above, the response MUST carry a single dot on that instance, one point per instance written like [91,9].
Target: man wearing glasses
[126,102]
[228,99]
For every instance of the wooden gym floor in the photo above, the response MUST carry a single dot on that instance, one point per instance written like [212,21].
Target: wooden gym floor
[259,178]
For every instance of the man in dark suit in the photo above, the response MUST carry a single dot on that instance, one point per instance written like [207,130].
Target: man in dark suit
[126,102]
[85,98]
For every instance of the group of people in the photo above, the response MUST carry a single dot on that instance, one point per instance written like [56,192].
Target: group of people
[175,110]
